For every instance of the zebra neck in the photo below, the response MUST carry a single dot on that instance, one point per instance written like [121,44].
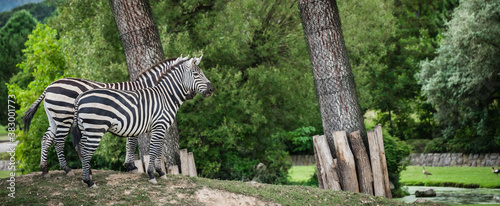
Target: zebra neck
[149,77]
[171,85]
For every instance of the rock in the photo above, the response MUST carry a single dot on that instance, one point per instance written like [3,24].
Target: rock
[425,193]
[420,200]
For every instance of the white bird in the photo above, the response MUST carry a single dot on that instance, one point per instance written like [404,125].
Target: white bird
[495,171]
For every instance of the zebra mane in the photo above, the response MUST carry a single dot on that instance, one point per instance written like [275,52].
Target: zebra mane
[170,67]
[154,67]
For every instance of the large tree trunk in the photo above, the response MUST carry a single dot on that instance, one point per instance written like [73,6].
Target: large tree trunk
[142,46]
[333,78]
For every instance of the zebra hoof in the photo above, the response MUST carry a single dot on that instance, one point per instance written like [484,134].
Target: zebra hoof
[164,177]
[135,171]
[94,187]
[70,173]
[153,181]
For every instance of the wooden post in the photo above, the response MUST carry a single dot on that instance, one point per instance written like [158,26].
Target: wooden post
[162,164]
[383,161]
[378,176]
[363,167]
[192,165]
[318,167]
[328,174]
[146,162]
[174,170]
[138,164]
[345,162]
[183,153]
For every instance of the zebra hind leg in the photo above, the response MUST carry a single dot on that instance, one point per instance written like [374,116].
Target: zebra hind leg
[47,140]
[59,144]
[87,151]
[129,158]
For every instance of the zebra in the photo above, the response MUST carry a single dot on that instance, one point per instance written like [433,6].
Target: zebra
[131,113]
[59,98]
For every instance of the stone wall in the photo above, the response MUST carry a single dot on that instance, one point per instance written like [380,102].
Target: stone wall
[455,159]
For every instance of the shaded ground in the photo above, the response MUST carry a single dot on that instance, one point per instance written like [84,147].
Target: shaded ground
[119,188]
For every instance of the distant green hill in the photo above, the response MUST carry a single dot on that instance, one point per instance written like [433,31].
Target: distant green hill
[39,10]
[8,5]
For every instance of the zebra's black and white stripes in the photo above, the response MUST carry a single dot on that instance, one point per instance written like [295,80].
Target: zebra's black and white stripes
[130,113]
[59,98]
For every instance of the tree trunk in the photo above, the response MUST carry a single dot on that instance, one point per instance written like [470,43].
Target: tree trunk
[363,167]
[142,46]
[333,78]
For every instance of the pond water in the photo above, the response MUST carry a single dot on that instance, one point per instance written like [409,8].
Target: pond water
[456,196]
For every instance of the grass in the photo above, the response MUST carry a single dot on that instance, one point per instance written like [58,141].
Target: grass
[451,176]
[134,189]
[301,173]
[4,174]
[3,130]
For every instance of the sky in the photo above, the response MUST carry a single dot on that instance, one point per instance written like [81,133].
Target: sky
[7,5]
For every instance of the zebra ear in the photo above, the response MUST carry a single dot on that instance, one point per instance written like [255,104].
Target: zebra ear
[197,60]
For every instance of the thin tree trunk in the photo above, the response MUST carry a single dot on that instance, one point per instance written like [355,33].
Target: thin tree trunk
[333,78]
[142,46]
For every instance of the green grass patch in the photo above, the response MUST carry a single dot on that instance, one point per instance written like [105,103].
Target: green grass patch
[3,130]
[470,177]
[4,174]
[301,173]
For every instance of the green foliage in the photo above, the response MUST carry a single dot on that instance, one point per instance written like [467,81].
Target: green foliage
[12,38]
[462,81]
[257,60]
[300,141]
[43,59]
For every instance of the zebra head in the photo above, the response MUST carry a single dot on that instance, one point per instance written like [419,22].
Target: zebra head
[195,80]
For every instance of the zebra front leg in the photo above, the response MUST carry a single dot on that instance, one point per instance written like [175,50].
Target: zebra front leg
[155,146]
[159,168]
[129,157]
[47,140]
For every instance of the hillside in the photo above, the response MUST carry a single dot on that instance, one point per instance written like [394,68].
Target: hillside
[134,189]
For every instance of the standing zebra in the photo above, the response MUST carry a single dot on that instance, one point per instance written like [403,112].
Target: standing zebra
[59,98]
[131,113]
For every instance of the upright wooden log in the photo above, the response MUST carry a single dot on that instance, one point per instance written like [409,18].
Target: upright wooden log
[378,176]
[173,170]
[318,167]
[192,165]
[383,161]
[328,174]
[138,164]
[345,162]
[162,164]
[146,162]
[183,153]
[363,167]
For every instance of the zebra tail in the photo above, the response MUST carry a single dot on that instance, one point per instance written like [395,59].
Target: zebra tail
[28,115]
[76,135]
